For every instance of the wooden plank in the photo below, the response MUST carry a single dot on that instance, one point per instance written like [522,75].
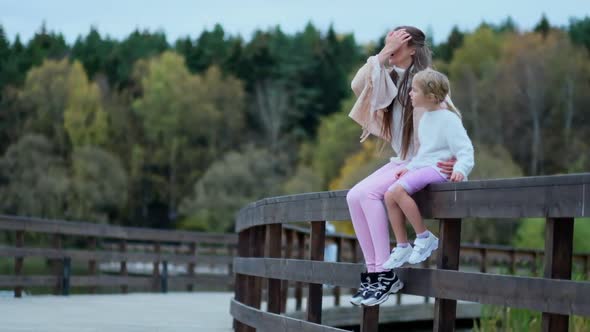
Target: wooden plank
[556,296]
[269,322]
[108,280]
[191,266]
[370,319]
[351,316]
[553,196]
[559,236]
[316,253]
[18,262]
[336,291]
[123,265]
[445,310]
[39,225]
[241,281]
[156,269]
[288,254]
[91,263]
[112,256]
[29,281]
[299,285]
[274,241]
[56,264]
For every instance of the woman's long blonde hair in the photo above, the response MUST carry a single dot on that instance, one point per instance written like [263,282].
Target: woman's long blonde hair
[435,83]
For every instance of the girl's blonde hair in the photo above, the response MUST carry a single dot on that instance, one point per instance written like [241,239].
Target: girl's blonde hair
[435,83]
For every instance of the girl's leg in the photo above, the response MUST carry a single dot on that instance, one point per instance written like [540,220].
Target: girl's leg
[369,218]
[409,184]
[410,209]
[396,218]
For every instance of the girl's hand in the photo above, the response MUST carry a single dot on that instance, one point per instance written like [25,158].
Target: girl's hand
[400,172]
[456,177]
[447,166]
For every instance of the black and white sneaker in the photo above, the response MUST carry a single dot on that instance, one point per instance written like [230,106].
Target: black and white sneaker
[361,293]
[387,283]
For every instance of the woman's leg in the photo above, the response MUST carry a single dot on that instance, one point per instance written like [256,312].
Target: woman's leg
[369,218]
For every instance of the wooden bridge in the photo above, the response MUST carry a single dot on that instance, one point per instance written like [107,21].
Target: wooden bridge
[557,198]
[277,260]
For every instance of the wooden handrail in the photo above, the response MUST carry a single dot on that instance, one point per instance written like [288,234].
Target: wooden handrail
[557,198]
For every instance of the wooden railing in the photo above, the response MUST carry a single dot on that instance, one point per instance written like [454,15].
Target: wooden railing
[557,198]
[105,243]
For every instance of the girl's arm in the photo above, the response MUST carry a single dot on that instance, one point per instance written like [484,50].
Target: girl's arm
[460,145]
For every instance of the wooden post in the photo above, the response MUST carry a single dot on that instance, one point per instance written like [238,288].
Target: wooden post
[354,257]
[426,265]
[370,319]
[316,253]
[164,282]
[241,280]
[299,285]
[19,262]
[230,266]
[156,270]
[192,250]
[512,267]
[445,311]
[253,294]
[483,267]
[285,284]
[336,291]
[67,263]
[92,262]
[274,241]
[586,271]
[559,235]
[534,267]
[57,264]
[123,265]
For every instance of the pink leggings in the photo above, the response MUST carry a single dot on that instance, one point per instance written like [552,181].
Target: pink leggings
[369,217]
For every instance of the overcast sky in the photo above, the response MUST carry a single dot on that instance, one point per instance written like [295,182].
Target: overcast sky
[179,18]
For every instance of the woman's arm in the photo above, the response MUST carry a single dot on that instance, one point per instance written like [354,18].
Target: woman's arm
[360,79]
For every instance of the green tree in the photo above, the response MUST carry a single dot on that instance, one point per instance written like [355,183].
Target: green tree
[187,120]
[98,189]
[93,52]
[337,139]
[33,179]
[46,96]
[229,184]
[84,118]
[579,31]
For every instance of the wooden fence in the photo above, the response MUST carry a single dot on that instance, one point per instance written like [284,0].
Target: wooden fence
[559,199]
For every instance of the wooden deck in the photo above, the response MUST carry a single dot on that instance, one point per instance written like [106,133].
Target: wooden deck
[178,312]
[149,312]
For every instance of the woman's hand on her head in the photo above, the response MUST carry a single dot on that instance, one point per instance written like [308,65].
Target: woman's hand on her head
[446,167]
[393,41]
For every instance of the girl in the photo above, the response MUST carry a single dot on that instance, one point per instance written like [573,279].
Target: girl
[441,135]
[383,108]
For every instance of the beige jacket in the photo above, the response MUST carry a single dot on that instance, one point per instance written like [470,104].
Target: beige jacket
[375,90]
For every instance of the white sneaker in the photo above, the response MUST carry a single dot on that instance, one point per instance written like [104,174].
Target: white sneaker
[423,248]
[398,256]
